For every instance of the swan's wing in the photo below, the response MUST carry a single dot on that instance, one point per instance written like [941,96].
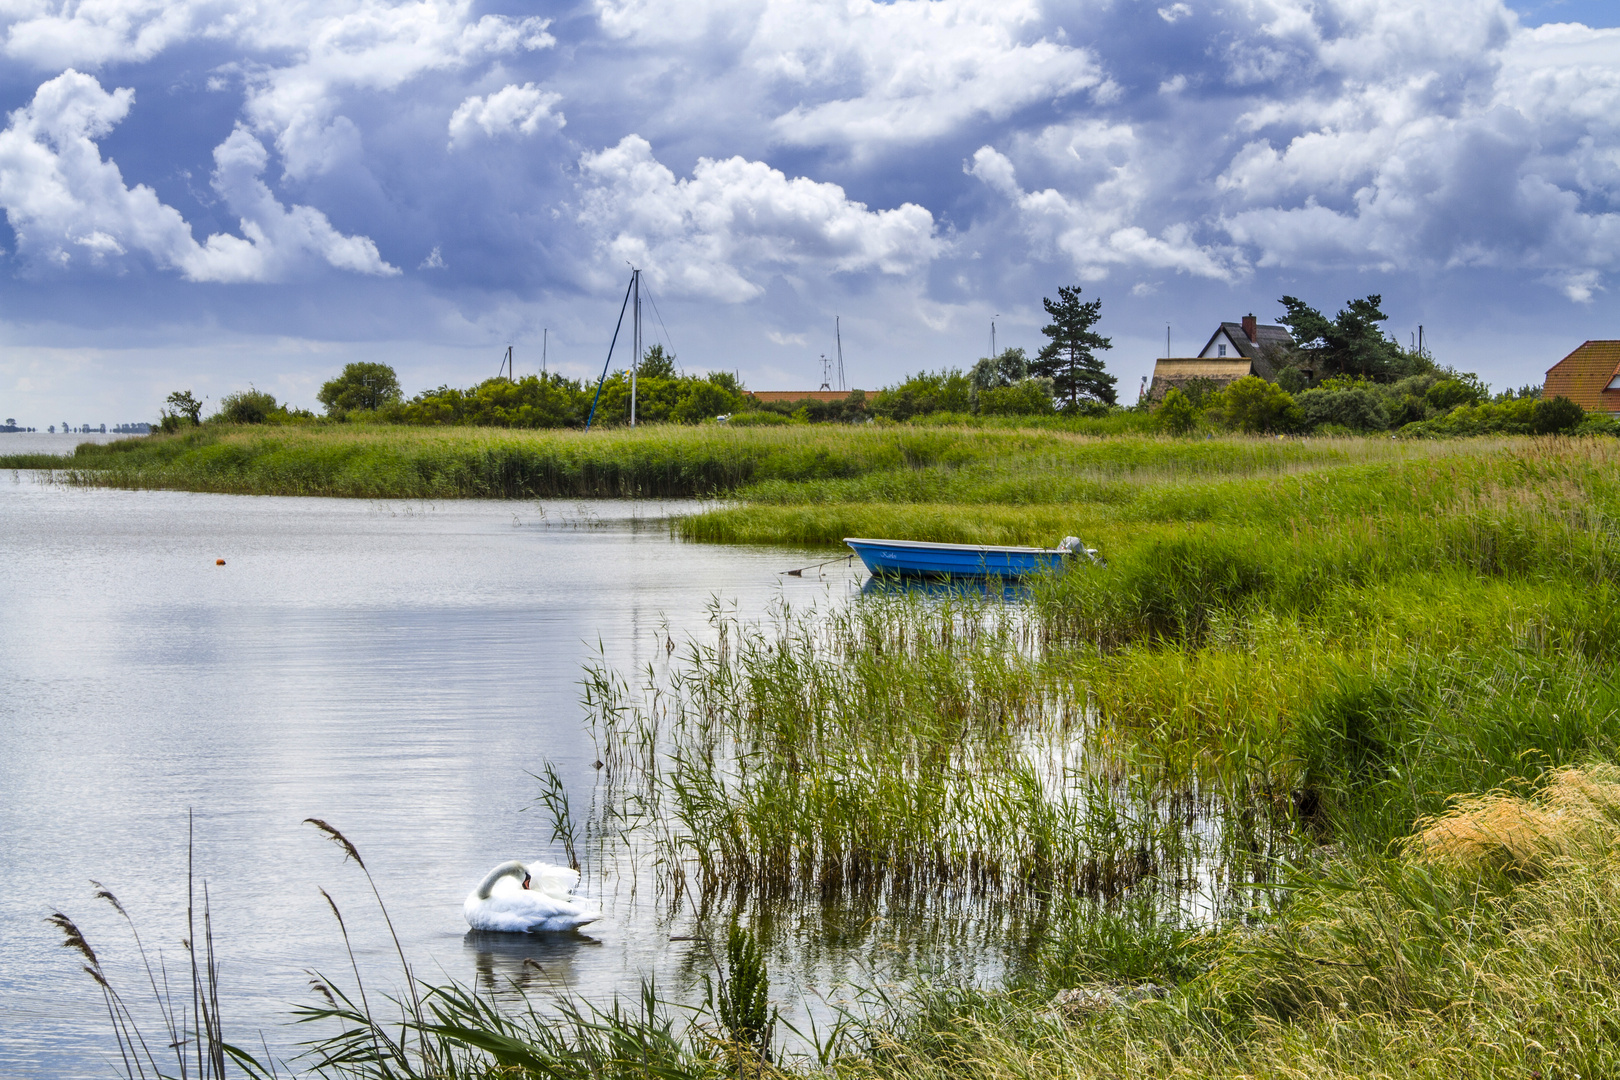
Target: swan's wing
[555,881]
[527,910]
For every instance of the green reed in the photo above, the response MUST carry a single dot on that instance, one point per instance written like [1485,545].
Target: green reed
[922,753]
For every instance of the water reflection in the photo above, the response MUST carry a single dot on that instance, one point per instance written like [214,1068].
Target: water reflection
[991,588]
[517,964]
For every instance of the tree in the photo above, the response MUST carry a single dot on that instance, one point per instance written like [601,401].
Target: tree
[181,403]
[995,371]
[1351,343]
[1070,358]
[362,386]
[656,364]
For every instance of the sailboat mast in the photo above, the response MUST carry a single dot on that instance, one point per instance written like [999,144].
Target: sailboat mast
[838,334]
[635,339]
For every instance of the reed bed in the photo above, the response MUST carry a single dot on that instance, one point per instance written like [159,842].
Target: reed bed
[376,461]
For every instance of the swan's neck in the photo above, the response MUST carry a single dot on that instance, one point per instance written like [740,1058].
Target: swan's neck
[506,869]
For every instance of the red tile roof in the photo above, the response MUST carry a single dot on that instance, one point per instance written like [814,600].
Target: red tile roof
[801,395]
[1584,376]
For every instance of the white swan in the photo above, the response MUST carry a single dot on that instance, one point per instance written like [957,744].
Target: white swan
[544,901]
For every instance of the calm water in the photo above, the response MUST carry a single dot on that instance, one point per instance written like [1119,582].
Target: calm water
[392,667]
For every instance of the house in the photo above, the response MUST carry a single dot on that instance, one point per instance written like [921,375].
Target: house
[1234,350]
[1589,376]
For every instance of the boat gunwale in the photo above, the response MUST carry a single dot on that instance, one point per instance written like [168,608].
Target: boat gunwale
[928,545]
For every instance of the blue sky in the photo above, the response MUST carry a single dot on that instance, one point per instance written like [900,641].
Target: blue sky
[208,194]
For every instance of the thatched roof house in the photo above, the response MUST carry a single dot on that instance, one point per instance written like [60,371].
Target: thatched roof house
[1234,350]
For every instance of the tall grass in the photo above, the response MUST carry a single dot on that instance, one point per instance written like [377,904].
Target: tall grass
[662,461]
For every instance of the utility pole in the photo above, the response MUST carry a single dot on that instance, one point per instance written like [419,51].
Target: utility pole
[993,319]
[1167,341]
[545,340]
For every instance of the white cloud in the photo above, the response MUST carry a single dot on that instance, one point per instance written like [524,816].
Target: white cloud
[1095,225]
[873,76]
[59,194]
[1175,12]
[779,338]
[374,46]
[1439,136]
[733,222]
[510,110]
[298,55]
[434,261]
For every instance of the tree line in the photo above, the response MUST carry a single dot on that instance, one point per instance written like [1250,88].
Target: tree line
[1340,374]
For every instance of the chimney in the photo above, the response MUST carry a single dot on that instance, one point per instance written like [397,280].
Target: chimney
[1249,328]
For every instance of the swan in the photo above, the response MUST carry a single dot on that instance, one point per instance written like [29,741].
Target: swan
[544,901]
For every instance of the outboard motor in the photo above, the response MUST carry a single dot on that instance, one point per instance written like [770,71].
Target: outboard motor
[1075,548]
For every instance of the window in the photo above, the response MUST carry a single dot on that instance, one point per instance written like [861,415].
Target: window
[1222,348]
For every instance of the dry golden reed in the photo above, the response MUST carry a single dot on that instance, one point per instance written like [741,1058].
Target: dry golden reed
[1576,815]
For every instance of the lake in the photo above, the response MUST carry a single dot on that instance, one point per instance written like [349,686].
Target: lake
[396,668]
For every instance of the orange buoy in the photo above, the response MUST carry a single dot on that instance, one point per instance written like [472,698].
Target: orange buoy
[219,562]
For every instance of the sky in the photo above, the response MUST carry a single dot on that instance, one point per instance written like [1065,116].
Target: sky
[213,194]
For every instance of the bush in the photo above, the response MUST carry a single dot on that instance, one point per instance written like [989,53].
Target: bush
[1356,408]
[1447,394]
[1556,416]
[1027,397]
[1253,405]
[924,393]
[248,406]
[703,400]
[1177,414]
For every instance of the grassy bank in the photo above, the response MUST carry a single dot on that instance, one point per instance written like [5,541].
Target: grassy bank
[786,466]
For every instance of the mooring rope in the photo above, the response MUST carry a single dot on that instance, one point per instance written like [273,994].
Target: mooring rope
[800,571]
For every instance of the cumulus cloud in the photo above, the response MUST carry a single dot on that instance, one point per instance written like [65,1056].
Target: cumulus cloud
[1440,137]
[719,232]
[1095,225]
[511,110]
[374,46]
[871,76]
[66,203]
[299,55]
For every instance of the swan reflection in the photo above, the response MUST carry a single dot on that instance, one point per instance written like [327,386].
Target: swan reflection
[511,964]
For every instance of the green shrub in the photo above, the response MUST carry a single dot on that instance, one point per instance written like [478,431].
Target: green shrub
[1027,397]
[1555,416]
[1356,408]
[248,406]
[1253,405]
[924,393]
[1177,414]
[704,401]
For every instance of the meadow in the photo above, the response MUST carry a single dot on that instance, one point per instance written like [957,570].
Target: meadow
[1311,778]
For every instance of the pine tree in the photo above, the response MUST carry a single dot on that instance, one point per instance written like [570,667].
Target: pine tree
[1070,359]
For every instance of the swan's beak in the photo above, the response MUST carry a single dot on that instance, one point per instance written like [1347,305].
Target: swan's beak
[525,881]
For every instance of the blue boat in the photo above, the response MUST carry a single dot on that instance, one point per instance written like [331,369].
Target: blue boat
[918,558]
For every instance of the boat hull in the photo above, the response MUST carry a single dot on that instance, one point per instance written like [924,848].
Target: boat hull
[913,558]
